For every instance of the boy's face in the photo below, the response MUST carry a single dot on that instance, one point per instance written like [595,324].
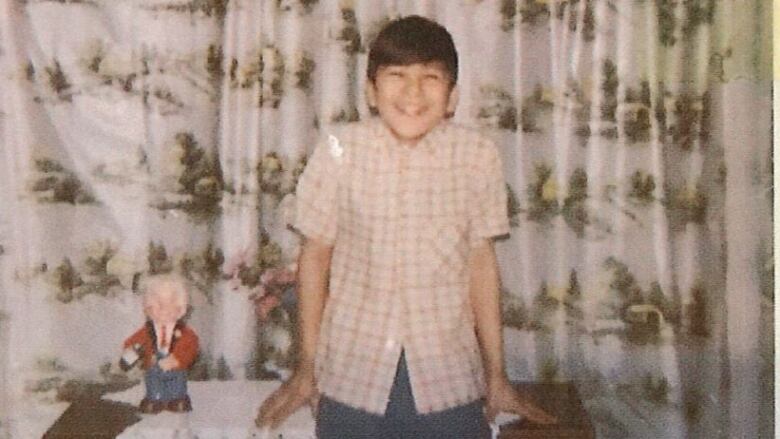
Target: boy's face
[412,99]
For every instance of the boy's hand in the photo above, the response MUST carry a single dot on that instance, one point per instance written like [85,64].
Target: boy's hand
[502,397]
[299,390]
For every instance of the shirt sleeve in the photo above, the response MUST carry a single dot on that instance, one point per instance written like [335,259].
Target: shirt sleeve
[138,336]
[489,216]
[316,195]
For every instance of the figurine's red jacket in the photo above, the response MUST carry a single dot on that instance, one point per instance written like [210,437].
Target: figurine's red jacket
[184,344]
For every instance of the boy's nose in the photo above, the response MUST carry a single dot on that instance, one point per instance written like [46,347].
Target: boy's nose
[413,87]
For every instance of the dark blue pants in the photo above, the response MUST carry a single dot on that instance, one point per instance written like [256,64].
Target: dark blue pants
[339,421]
[165,385]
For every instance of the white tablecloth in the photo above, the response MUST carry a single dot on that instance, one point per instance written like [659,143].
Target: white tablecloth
[220,410]
[224,410]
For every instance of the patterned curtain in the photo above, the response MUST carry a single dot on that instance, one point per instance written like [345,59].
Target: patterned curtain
[147,136]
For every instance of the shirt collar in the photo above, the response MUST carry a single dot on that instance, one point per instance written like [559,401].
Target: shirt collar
[158,336]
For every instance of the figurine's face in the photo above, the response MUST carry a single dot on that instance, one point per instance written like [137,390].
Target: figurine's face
[164,307]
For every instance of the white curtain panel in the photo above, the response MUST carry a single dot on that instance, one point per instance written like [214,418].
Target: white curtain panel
[140,136]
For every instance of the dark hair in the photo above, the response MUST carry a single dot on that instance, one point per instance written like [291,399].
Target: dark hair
[413,39]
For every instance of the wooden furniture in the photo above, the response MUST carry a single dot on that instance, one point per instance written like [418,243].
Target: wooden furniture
[93,419]
[558,399]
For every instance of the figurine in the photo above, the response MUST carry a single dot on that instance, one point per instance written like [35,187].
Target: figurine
[165,346]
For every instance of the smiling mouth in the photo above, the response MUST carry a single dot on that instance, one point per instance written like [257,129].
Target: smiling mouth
[411,111]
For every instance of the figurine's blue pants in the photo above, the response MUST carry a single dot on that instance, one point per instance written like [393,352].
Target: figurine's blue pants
[165,385]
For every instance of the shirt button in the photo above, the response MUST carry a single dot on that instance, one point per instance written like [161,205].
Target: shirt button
[389,344]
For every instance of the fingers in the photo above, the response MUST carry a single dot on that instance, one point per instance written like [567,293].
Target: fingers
[269,408]
[279,406]
[526,410]
[283,411]
[517,404]
[537,415]
[490,412]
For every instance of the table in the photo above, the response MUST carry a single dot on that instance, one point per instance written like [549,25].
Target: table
[221,409]
[558,399]
[227,409]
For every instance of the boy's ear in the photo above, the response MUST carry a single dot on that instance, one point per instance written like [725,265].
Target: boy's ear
[452,103]
[370,93]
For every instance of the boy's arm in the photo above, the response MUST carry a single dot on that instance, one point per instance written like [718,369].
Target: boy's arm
[484,292]
[486,305]
[301,388]
[313,271]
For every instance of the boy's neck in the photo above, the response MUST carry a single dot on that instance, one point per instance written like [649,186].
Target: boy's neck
[410,143]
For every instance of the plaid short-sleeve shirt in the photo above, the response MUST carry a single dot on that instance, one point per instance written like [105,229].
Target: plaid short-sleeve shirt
[401,221]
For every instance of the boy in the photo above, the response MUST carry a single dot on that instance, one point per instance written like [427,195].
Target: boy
[397,276]
[167,347]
